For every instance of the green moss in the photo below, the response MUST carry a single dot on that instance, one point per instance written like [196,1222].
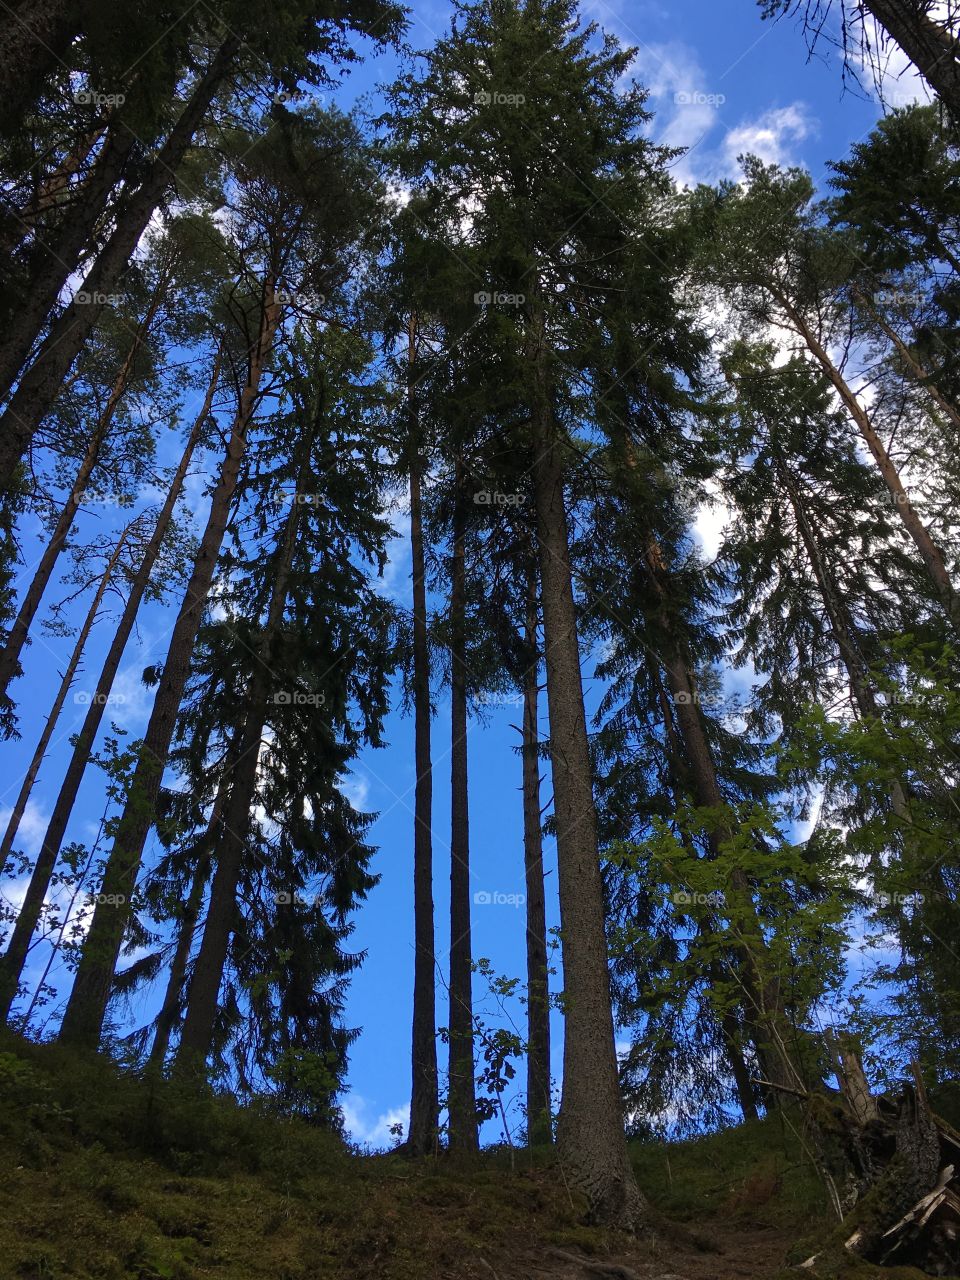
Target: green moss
[112,1177]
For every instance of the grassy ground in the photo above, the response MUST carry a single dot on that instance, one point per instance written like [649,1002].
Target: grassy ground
[104,1175]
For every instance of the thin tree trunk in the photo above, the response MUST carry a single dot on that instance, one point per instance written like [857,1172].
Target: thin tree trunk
[932,49]
[38,388]
[539,1128]
[930,553]
[49,192]
[16,953]
[915,368]
[590,1133]
[841,626]
[424,1105]
[231,832]
[733,1047]
[187,928]
[17,638]
[85,1012]
[25,323]
[763,1010]
[462,1101]
[727,1022]
[11,963]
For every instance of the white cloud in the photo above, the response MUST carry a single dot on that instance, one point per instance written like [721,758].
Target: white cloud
[32,828]
[686,107]
[771,136]
[356,788]
[367,1130]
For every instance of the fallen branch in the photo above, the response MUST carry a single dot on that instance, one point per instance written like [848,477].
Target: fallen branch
[612,1270]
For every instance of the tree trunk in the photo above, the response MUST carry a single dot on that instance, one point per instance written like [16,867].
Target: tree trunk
[932,50]
[590,1133]
[930,553]
[424,1106]
[763,1010]
[11,963]
[915,368]
[231,833]
[539,1128]
[841,626]
[17,638]
[85,1012]
[39,297]
[462,1100]
[48,193]
[186,930]
[733,1047]
[40,384]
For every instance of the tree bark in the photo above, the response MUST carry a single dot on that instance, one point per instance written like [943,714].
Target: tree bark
[85,1012]
[40,384]
[539,1127]
[590,1132]
[11,963]
[17,638]
[462,1101]
[424,1105]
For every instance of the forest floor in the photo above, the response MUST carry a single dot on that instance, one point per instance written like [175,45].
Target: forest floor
[106,1175]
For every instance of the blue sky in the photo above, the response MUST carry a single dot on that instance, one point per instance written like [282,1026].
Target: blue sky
[721,82]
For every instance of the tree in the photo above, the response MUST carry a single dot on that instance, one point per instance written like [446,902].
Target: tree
[501,195]
[424,1097]
[296,219]
[83,486]
[790,281]
[461,1098]
[302,593]
[12,962]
